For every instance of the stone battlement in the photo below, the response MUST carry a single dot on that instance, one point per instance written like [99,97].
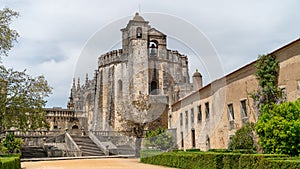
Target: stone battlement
[110,57]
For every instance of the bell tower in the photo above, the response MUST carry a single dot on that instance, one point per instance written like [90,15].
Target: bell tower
[135,49]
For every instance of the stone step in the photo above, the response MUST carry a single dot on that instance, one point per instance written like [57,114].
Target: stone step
[87,146]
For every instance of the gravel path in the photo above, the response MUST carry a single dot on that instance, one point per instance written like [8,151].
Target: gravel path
[107,163]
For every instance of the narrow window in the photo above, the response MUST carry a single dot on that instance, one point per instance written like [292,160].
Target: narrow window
[199,114]
[207,110]
[192,115]
[207,143]
[244,112]
[154,88]
[298,85]
[120,88]
[186,118]
[182,140]
[230,112]
[193,138]
[230,116]
[138,32]
[181,119]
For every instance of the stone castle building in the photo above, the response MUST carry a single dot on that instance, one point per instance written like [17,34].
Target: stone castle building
[208,117]
[202,116]
[143,65]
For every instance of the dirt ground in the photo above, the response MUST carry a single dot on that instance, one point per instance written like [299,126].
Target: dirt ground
[107,163]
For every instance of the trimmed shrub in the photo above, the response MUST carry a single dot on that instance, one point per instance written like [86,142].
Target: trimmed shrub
[219,150]
[10,162]
[227,160]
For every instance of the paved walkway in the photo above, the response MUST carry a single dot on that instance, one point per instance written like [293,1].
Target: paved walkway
[107,163]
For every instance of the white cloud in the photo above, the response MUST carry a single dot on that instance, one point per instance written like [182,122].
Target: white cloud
[53,32]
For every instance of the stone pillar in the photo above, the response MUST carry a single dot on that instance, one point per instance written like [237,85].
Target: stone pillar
[197,81]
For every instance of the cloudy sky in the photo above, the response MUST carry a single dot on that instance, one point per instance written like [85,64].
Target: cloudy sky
[54,33]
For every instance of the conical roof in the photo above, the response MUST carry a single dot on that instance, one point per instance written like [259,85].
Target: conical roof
[197,74]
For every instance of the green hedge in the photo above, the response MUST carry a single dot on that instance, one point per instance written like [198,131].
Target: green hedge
[10,162]
[228,160]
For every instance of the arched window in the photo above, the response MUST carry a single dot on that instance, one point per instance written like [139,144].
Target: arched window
[153,88]
[139,32]
[153,45]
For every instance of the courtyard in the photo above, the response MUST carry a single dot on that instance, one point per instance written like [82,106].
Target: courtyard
[107,163]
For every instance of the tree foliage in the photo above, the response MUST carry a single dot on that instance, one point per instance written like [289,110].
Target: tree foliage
[244,138]
[159,139]
[135,116]
[10,144]
[22,100]
[267,75]
[7,35]
[279,128]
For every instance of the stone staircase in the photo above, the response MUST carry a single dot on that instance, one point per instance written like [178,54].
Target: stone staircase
[87,146]
[33,152]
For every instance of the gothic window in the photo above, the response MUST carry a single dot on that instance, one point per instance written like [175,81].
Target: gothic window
[154,88]
[153,45]
[207,110]
[138,32]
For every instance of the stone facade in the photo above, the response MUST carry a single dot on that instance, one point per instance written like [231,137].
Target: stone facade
[143,65]
[208,117]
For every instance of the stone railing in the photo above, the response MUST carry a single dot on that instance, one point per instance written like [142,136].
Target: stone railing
[72,146]
[98,143]
[41,133]
[106,133]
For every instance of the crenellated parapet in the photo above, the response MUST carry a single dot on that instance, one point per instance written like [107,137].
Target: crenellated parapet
[111,57]
[175,56]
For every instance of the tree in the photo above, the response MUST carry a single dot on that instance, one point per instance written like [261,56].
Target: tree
[267,75]
[138,115]
[278,128]
[21,96]
[159,138]
[244,138]
[7,35]
[22,100]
